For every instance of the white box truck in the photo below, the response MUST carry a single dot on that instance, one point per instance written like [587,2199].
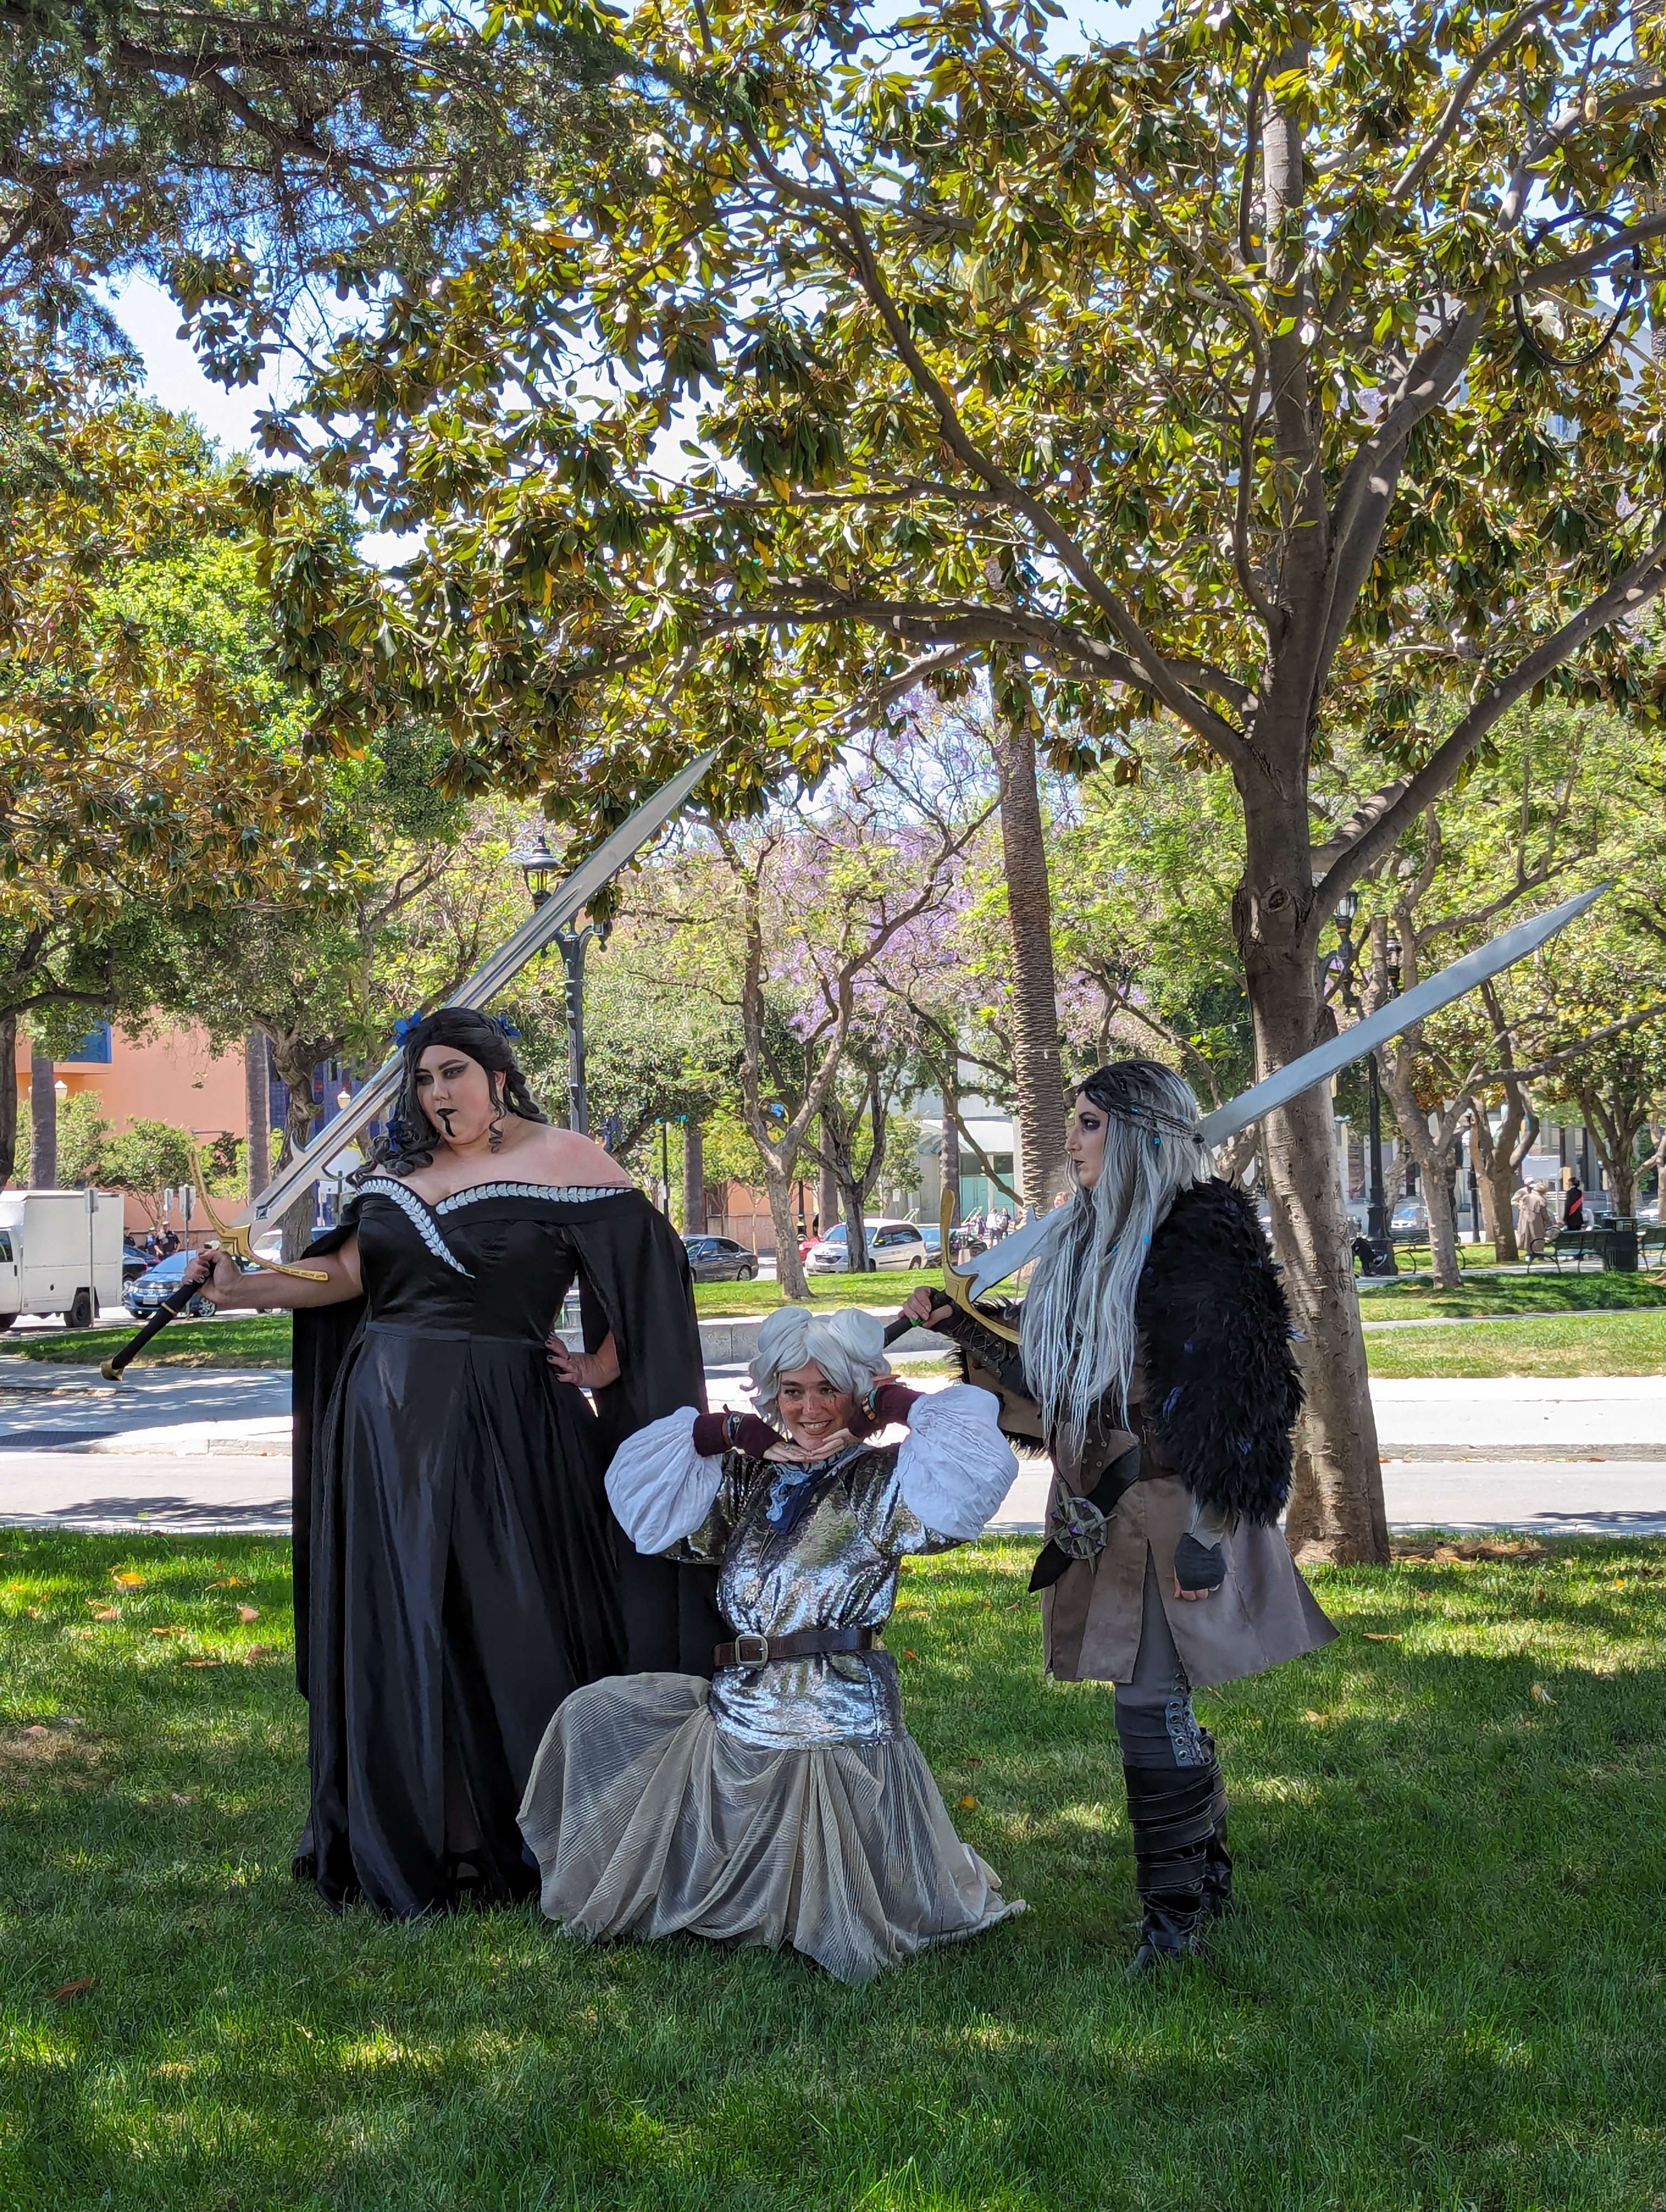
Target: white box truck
[60,1252]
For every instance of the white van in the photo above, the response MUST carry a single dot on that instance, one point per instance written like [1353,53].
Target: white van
[60,1252]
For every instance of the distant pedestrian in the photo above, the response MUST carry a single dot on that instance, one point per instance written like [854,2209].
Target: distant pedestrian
[1532,1219]
[1573,1205]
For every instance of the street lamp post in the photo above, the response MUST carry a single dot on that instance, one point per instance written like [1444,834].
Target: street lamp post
[536,864]
[1377,1234]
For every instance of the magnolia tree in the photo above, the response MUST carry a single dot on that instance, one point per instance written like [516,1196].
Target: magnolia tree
[1253,374]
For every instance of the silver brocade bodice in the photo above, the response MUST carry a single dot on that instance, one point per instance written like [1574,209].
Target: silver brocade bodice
[837,1569]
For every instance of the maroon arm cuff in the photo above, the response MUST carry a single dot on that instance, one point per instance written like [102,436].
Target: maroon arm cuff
[892,1401]
[716,1433]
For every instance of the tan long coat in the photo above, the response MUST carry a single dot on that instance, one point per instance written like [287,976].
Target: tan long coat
[1263,1613]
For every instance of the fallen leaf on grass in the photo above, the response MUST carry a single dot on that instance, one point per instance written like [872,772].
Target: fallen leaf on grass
[167,1631]
[967,1804]
[180,1796]
[257,1651]
[36,1728]
[206,1662]
[123,1578]
[248,1612]
[1382,1635]
[907,1654]
[1312,1715]
[105,1612]
[71,1990]
[231,1582]
[1541,1695]
[972,1762]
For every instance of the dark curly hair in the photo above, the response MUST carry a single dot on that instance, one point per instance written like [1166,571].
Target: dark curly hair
[411,1137]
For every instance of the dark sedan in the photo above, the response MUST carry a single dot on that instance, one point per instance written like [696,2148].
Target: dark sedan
[141,1298]
[719,1260]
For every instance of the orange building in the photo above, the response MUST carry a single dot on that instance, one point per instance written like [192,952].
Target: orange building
[171,1077]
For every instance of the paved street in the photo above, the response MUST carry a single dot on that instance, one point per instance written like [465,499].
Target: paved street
[203,1450]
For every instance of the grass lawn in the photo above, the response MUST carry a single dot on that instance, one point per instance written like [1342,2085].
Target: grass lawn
[1416,1300]
[254,1340]
[1577,1344]
[1448,1988]
[714,1301]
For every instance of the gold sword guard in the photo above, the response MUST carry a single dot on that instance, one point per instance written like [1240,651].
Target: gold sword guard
[234,1236]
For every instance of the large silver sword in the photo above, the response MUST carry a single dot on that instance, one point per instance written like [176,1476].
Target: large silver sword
[493,975]
[1285,1084]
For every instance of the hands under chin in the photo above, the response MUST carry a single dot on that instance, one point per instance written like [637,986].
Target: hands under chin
[795,1455]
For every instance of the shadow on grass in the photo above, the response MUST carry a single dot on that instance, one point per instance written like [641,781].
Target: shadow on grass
[1444,1988]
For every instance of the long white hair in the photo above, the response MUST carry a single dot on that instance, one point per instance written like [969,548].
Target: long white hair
[847,1346]
[1077,1325]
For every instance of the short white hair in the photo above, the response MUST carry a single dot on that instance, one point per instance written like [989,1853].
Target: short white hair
[849,1346]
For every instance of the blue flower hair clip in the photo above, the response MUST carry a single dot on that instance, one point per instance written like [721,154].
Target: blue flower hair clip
[502,1022]
[403,1028]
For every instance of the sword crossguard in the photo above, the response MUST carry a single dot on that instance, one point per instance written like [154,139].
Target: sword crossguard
[955,1282]
[234,1236]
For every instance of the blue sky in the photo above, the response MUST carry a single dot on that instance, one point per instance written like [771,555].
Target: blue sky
[173,376]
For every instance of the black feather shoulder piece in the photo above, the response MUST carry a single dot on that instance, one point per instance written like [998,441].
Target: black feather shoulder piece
[1224,1389]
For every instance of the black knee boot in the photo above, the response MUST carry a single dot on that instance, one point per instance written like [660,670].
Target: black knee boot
[1217,1859]
[1171,1810]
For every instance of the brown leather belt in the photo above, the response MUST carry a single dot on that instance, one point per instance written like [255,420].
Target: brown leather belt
[759,1650]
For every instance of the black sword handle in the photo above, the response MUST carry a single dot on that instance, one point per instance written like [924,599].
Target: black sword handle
[901,1325]
[169,1310]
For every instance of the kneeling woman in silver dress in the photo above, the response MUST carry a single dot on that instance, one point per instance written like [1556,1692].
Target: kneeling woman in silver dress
[784,1802]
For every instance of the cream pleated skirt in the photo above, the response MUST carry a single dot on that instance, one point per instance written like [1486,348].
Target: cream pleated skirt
[648,1819]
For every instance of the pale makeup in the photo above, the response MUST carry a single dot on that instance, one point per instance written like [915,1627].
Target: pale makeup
[812,1409]
[455,1093]
[1085,1142]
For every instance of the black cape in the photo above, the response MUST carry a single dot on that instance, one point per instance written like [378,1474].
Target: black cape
[457,1570]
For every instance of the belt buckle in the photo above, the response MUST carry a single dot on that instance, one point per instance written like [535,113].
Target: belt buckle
[744,1658]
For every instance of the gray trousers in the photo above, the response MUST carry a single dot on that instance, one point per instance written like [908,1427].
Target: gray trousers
[1155,1724]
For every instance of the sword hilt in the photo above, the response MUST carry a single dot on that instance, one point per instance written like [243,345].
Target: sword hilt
[955,1282]
[234,1236]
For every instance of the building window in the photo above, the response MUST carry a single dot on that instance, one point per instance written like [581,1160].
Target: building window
[94,1047]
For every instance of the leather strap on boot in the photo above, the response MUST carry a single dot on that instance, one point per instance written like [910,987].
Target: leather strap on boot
[1171,1811]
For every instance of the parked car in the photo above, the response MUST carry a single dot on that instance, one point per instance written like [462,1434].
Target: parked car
[1410,1217]
[933,1239]
[134,1263]
[890,1245]
[719,1260]
[143,1297]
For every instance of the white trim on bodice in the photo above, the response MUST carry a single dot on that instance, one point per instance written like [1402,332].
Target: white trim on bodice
[564,1193]
[419,1212]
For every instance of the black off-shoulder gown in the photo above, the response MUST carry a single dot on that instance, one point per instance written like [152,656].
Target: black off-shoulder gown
[458,1571]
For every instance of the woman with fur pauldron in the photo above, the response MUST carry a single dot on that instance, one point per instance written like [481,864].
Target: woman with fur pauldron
[457,1570]
[1152,1354]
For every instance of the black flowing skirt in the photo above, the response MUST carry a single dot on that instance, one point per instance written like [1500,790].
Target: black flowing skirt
[463,1582]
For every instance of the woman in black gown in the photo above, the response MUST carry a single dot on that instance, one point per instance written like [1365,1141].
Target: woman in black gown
[458,1571]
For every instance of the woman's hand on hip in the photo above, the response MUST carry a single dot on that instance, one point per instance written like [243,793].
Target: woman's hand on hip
[586,1371]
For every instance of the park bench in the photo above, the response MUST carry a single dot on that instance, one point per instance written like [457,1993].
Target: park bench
[1652,1246]
[1575,1244]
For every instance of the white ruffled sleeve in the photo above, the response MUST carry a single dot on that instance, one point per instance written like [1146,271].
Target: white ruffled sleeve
[954,1467]
[660,1488]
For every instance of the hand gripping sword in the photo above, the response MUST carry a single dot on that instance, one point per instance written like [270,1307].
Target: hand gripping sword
[1017,1250]
[494,975]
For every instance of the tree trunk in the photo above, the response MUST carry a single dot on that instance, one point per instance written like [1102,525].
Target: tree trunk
[790,1268]
[43,1124]
[1336,1506]
[694,1178]
[1038,1072]
[258,1102]
[1613,1123]
[8,1097]
[293,1060]
[1436,1160]
[827,1197]
[949,1158]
